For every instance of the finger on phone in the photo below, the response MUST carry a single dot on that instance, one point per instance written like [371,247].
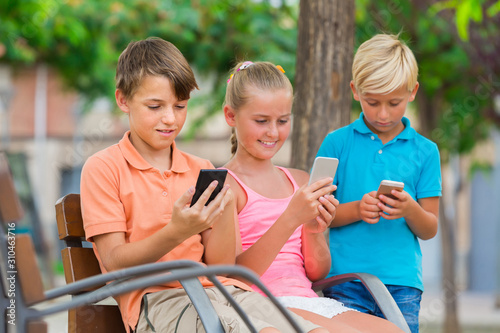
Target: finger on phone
[385,200]
[186,198]
[321,183]
[202,200]
[217,206]
[324,213]
[371,198]
[219,198]
[327,204]
[325,190]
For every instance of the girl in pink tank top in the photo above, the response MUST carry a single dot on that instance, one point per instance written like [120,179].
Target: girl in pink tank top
[281,219]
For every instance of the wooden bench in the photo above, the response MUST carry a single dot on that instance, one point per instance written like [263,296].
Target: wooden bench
[79,262]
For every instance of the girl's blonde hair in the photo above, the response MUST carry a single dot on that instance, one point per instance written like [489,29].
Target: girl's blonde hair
[247,76]
[383,64]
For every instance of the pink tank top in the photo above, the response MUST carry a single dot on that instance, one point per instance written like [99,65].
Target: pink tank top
[286,276]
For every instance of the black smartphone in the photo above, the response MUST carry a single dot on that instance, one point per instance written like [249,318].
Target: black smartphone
[206,177]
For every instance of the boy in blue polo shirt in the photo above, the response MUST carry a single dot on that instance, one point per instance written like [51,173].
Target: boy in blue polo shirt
[379,235]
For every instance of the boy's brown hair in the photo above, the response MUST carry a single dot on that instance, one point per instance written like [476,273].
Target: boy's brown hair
[157,57]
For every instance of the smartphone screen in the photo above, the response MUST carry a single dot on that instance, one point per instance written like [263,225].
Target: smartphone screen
[206,177]
[323,167]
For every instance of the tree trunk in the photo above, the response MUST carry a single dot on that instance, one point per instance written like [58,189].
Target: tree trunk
[324,61]
[448,241]
[428,110]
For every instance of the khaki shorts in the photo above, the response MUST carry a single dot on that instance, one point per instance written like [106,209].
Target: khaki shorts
[171,311]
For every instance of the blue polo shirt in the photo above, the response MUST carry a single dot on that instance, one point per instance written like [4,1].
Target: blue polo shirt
[387,249]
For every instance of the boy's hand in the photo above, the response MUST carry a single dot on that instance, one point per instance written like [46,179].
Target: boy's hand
[369,209]
[197,218]
[392,209]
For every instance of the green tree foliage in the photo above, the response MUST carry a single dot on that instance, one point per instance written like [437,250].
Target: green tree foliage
[467,11]
[458,79]
[83,39]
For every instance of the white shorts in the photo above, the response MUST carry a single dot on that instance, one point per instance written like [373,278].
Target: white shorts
[324,306]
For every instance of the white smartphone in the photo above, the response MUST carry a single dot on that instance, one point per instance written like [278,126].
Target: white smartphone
[386,186]
[323,167]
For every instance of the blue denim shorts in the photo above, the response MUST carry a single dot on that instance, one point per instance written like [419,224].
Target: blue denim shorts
[355,295]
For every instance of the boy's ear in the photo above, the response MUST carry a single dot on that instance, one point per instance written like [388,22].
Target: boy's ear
[121,101]
[230,115]
[354,92]
[413,93]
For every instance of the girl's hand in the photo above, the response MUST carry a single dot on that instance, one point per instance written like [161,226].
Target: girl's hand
[327,211]
[391,209]
[369,209]
[305,203]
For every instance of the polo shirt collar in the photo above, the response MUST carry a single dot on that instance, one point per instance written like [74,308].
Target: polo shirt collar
[179,163]
[407,134]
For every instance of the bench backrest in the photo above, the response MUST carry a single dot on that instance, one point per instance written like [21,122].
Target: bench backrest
[80,262]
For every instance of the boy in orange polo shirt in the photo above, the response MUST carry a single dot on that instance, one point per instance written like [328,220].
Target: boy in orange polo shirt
[136,194]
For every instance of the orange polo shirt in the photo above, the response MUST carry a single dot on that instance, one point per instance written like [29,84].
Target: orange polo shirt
[121,192]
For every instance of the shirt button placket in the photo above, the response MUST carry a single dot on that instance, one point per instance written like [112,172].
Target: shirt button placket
[167,175]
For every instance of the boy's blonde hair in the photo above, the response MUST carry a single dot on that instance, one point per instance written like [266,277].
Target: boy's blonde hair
[383,64]
[157,57]
[258,75]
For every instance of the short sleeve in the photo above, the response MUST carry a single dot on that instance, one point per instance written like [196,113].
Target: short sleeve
[429,183]
[102,209]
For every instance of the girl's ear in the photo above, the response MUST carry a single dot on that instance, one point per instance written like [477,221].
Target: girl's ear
[230,115]
[121,101]
[354,91]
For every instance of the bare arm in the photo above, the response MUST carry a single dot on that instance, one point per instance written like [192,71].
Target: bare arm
[116,253]
[262,253]
[317,259]
[220,240]
[421,216]
[302,208]
[347,213]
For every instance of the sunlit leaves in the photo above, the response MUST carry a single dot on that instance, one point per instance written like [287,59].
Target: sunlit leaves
[82,39]
[466,11]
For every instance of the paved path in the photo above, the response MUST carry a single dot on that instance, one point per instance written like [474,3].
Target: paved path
[476,313]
